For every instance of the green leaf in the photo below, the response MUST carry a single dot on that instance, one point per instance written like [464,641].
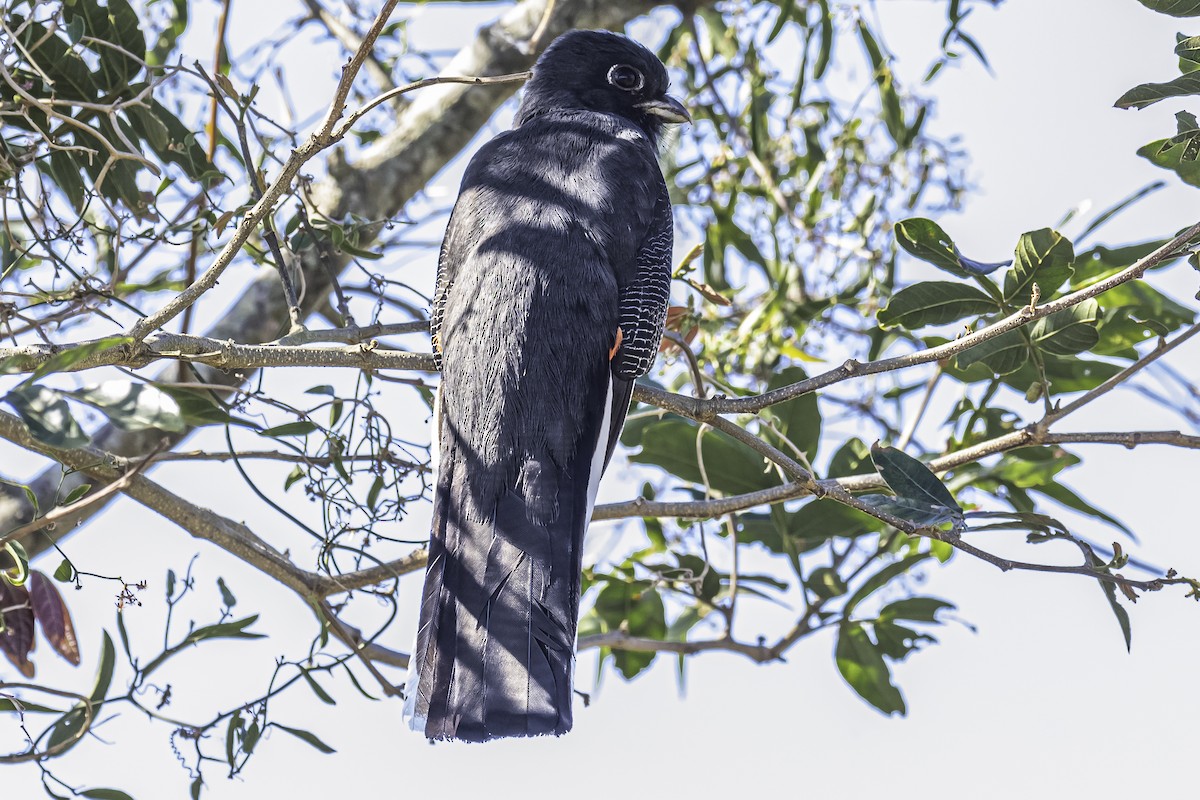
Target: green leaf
[917,609]
[1002,354]
[1142,299]
[65,572]
[76,354]
[1147,94]
[862,666]
[46,414]
[897,641]
[105,794]
[317,689]
[77,493]
[635,607]
[1069,374]
[1110,593]
[299,428]
[909,478]
[1162,154]
[305,736]
[798,419]
[880,579]
[1031,467]
[1174,8]
[134,406]
[814,523]
[1043,257]
[918,512]
[226,596]
[925,240]
[1064,496]
[69,727]
[852,458]
[933,303]
[825,583]
[225,630]
[197,407]
[1070,331]
[670,443]
[8,706]
[1100,262]
[1188,48]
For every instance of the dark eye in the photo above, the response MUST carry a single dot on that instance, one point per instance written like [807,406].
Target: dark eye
[626,78]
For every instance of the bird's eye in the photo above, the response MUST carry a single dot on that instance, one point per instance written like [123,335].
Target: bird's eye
[626,78]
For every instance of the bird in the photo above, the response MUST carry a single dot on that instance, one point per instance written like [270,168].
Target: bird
[550,301]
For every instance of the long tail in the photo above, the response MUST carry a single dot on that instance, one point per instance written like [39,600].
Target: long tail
[495,646]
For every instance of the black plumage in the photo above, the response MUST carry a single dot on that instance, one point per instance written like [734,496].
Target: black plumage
[557,251]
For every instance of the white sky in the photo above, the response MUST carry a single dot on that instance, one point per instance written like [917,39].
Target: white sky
[1041,701]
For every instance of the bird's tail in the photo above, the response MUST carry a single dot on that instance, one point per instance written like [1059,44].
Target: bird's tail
[495,645]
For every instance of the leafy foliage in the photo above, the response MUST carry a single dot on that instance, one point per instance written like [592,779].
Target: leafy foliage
[808,211]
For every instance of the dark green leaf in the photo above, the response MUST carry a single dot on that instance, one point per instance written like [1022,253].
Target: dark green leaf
[1002,354]
[69,727]
[299,428]
[1148,94]
[1174,8]
[909,478]
[934,303]
[670,443]
[925,240]
[65,572]
[77,493]
[66,359]
[917,511]
[47,415]
[105,794]
[317,689]
[917,609]
[226,596]
[197,407]
[825,583]
[225,630]
[1188,48]
[306,736]
[134,406]
[8,706]
[1110,593]
[1161,153]
[882,578]
[798,419]
[1070,331]
[897,641]
[862,666]
[1043,257]
[1064,496]
[852,458]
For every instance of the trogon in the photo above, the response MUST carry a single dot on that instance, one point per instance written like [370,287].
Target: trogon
[550,302]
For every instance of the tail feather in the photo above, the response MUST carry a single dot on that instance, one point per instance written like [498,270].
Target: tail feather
[494,655]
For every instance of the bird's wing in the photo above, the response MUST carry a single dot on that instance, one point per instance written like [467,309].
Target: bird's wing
[642,303]
[642,309]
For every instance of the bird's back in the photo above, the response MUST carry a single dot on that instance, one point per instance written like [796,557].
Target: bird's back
[549,216]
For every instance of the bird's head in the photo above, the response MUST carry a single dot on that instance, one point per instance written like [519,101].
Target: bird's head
[602,71]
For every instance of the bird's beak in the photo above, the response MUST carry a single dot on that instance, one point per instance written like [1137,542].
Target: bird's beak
[666,108]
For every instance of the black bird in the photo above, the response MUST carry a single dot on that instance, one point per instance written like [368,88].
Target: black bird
[551,297]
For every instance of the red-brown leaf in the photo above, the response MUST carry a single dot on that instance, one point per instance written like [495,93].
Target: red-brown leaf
[53,616]
[17,640]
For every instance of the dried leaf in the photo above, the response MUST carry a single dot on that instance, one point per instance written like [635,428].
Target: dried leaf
[53,616]
[17,639]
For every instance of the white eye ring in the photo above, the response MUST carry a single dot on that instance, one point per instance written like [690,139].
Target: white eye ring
[619,77]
